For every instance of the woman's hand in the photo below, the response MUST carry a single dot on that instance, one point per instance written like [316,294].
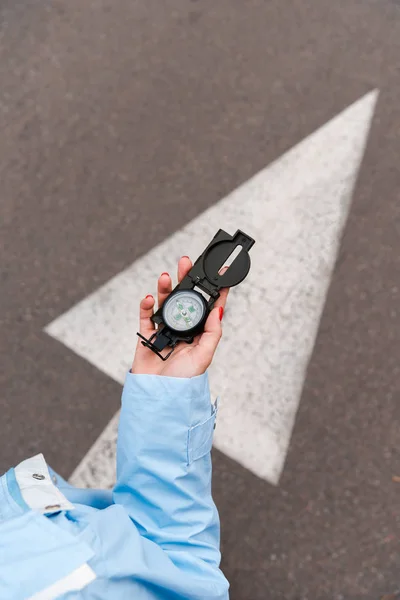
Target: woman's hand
[187,360]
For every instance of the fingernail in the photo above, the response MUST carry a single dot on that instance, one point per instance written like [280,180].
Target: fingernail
[185,256]
[221,312]
[165,273]
[149,296]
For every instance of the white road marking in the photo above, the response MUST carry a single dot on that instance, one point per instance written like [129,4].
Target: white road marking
[295,209]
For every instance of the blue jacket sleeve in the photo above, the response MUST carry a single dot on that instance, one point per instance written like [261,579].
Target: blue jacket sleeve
[164,476]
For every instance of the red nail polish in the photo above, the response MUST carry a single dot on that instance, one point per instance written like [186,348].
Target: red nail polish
[221,312]
[149,296]
[185,256]
[165,273]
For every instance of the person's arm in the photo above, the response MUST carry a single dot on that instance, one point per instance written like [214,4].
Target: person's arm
[164,454]
[164,477]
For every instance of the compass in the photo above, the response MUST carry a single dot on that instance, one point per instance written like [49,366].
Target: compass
[184,312]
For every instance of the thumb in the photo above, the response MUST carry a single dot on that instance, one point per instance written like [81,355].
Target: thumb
[212,334]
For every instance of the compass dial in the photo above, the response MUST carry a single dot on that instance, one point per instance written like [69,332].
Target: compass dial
[184,310]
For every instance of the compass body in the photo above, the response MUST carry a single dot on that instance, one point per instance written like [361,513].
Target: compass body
[184,312]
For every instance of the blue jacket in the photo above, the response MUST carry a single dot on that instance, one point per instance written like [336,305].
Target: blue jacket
[155,536]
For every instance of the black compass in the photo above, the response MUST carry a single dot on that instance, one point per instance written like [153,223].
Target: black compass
[184,313]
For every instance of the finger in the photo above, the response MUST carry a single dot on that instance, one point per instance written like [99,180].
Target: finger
[164,288]
[146,325]
[184,266]
[223,296]
[209,340]
[220,302]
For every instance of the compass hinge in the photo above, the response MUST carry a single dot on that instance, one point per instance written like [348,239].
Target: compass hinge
[202,284]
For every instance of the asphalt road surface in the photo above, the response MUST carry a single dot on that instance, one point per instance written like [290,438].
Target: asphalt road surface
[120,123]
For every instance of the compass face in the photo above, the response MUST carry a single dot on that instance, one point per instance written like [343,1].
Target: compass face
[184,310]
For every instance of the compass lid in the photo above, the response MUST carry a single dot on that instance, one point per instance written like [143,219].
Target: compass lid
[216,256]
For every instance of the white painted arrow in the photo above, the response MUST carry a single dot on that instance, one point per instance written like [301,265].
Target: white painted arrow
[295,209]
